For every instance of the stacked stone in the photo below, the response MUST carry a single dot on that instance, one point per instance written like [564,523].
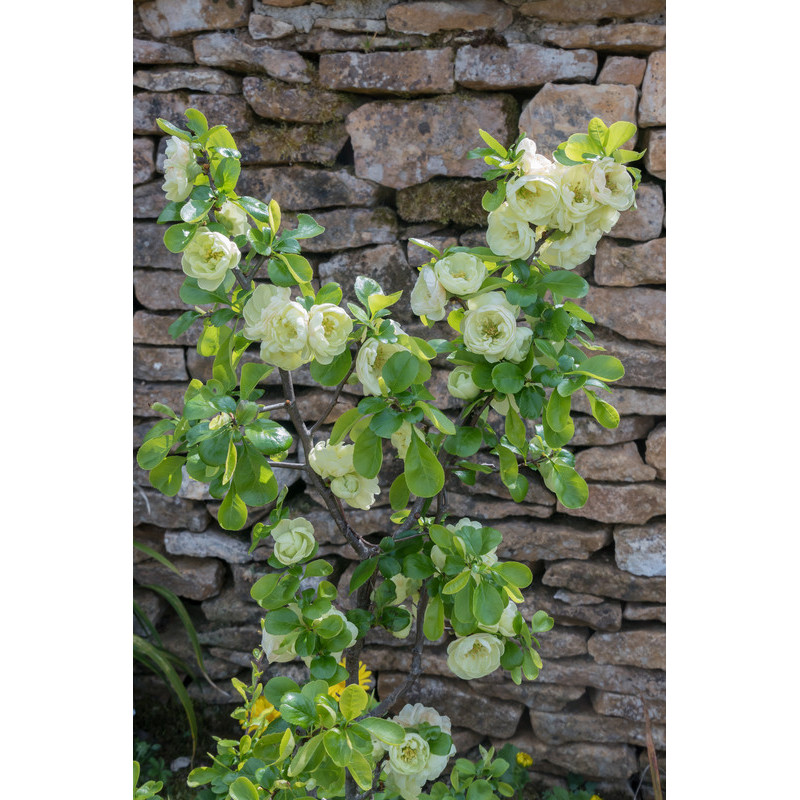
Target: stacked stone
[361,112]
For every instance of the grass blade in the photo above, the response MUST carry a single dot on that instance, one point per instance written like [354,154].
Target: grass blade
[157,556]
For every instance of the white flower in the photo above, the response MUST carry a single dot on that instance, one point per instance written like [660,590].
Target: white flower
[294,540]
[280,648]
[208,257]
[474,656]
[233,218]
[460,273]
[331,460]
[411,764]
[401,439]
[180,170]
[534,198]
[573,249]
[356,490]
[522,344]
[370,362]
[509,234]
[460,383]
[280,323]
[489,326]
[428,297]
[328,329]
[612,185]
[533,163]
[438,557]
[577,201]
[603,218]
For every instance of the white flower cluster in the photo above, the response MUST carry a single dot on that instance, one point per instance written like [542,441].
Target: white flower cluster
[410,764]
[336,462]
[290,335]
[458,274]
[582,201]
[281,648]
[294,540]
[180,170]
[208,257]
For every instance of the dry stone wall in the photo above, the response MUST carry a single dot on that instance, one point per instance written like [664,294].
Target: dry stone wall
[361,112]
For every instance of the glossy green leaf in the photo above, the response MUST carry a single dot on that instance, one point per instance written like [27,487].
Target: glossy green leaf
[424,473]
[198,204]
[334,373]
[399,494]
[232,514]
[384,729]
[569,487]
[487,604]
[353,701]
[466,442]
[433,623]
[176,237]
[252,375]
[565,283]
[618,134]
[506,378]
[361,771]
[167,476]
[605,368]
[400,370]
[268,437]
[558,408]
[368,454]
[338,747]
[603,412]
[516,574]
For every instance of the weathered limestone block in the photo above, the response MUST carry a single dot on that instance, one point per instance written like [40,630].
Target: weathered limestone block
[148,200]
[263,27]
[152,604]
[576,726]
[480,507]
[399,143]
[208,544]
[634,37]
[644,648]
[147,52]
[612,761]
[542,697]
[444,200]
[200,578]
[656,452]
[641,549]
[623,69]
[413,71]
[149,328]
[159,364]
[218,108]
[198,79]
[630,265]
[174,17]
[167,512]
[606,579]
[652,107]
[621,462]
[655,159]
[347,228]
[646,220]
[145,394]
[588,431]
[158,289]
[627,401]
[229,51]
[330,41]
[304,188]
[466,707]
[645,364]
[634,503]
[432,17]
[228,607]
[644,612]
[352,25]
[521,65]
[633,313]
[593,612]
[537,540]
[583,671]
[611,704]
[557,111]
[275,100]
[148,247]
[591,10]
[286,144]
[143,164]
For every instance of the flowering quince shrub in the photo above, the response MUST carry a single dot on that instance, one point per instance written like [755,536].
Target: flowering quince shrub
[517,346]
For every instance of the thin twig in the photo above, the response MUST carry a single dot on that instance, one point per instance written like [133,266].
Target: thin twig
[274,406]
[287,465]
[333,402]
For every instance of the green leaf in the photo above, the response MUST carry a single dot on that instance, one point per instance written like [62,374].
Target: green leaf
[567,485]
[343,424]
[558,408]
[353,701]
[252,375]
[480,789]
[487,604]
[154,451]
[440,421]
[182,324]
[173,130]
[384,729]
[433,623]
[362,573]
[506,378]
[226,174]
[400,370]
[491,201]
[268,437]
[465,443]
[256,208]
[418,566]
[541,622]
[424,473]
[515,428]
[167,476]
[197,122]
[323,668]
[318,569]
[232,514]
[329,293]
[515,573]
[557,439]
[198,204]
[565,283]
[298,266]
[618,134]
[493,143]
[254,480]
[530,402]
[399,494]
[264,586]
[368,454]
[361,771]
[176,237]
[307,227]
[386,422]
[230,462]
[456,584]
[605,368]
[604,413]
[377,302]
[338,747]
[334,373]
[598,131]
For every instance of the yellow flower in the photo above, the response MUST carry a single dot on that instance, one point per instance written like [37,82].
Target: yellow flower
[595,797]
[262,712]
[364,681]
[524,760]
